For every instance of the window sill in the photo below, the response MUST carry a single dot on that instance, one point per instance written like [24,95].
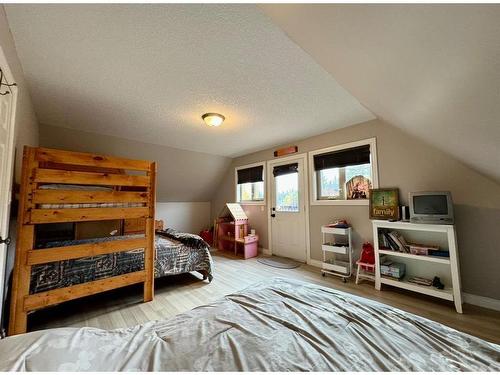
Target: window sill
[252,203]
[350,202]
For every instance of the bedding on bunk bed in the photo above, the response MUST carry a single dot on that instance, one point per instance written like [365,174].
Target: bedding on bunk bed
[276,325]
[172,257]
[84,205]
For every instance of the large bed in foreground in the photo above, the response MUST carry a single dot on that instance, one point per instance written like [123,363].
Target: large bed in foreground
[276,325]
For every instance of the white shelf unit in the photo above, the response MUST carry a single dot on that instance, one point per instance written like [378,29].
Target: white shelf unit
[447,269]
[331,265]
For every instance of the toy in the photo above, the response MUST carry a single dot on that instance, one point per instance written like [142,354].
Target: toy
[231,232]
[436,283]
[339,224]
[367,255]
[207,236]
[366,263]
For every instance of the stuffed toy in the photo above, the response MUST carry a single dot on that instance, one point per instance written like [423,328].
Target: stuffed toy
[367,255]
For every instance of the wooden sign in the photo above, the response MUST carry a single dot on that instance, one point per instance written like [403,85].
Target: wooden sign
[384,204]
[286,151]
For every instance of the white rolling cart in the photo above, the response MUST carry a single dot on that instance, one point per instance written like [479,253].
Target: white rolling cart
[337,252]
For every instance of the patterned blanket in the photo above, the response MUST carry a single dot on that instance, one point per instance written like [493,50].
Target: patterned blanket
[172,257]
[188,239]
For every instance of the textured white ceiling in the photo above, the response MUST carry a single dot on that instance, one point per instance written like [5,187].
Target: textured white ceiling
[148,72]
[433,70]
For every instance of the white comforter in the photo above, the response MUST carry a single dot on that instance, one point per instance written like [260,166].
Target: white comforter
[278,325]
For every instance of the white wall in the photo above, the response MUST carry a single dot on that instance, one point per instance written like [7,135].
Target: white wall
[26,131]
[189,217]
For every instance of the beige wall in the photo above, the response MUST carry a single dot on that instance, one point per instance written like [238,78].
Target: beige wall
[183,176]
[26,123]
[410,165]
[190,217]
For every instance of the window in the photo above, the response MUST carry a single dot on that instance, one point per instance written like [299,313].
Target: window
[344,174]
[250,184]
[287,187]
[250,192]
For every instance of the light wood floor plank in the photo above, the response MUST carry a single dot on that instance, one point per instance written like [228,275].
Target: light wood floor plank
[176,294]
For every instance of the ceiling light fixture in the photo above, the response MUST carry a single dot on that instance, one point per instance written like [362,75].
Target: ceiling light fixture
[213,119]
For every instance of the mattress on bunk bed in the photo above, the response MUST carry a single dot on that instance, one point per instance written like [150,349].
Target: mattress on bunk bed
[84,205]
[276,325]
[172,257]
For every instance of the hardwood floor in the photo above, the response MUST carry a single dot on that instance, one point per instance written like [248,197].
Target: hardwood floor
[177,294]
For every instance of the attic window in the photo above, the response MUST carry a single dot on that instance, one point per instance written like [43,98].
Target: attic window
[250,184]
[344,174]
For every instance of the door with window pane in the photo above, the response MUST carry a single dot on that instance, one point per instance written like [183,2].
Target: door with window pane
[288,224]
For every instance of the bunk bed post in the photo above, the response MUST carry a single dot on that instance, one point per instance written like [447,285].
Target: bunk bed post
[149,251]
[25,240]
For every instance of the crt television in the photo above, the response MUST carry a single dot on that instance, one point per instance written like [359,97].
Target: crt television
[431,207]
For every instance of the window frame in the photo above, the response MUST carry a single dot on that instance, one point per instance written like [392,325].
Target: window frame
[298,193]
[251,203]
[313,176]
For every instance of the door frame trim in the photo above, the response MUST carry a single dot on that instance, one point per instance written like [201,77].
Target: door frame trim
[10,178]
[269,163]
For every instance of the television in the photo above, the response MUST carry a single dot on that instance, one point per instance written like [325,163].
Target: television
[431,207]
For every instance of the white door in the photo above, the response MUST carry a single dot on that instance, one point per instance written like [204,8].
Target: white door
[7,112]
[288,215]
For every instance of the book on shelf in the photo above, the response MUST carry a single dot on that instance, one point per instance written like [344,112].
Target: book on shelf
[432,250]
[400,240]
[420,281]
[392,244]
[394,241]
[382,241]
[439,253]
[399,246]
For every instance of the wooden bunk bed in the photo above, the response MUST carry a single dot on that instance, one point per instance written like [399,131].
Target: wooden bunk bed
[132,197]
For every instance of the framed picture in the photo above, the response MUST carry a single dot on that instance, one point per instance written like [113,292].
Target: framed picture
[358,187]
[384,204]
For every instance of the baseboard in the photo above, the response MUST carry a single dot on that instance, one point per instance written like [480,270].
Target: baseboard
[265,251]
[315,263]
[486,302]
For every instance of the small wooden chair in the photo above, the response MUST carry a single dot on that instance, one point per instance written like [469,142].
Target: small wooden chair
[366,273]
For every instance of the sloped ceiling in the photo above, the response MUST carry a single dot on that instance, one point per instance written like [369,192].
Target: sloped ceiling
[432,70]
[148,73]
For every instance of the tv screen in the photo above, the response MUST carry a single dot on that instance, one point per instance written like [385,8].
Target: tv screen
[430,205]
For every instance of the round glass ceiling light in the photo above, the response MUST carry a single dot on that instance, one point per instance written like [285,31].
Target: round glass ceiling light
[213,119]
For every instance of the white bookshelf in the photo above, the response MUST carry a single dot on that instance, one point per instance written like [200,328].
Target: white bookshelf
[447,269]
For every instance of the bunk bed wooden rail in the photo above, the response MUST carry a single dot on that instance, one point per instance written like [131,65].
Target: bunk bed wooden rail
[49,166]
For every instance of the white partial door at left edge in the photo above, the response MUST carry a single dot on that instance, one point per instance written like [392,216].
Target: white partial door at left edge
[7,112]
[288,217]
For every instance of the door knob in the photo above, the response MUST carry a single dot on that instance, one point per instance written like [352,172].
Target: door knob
[6,241]
[273,215]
